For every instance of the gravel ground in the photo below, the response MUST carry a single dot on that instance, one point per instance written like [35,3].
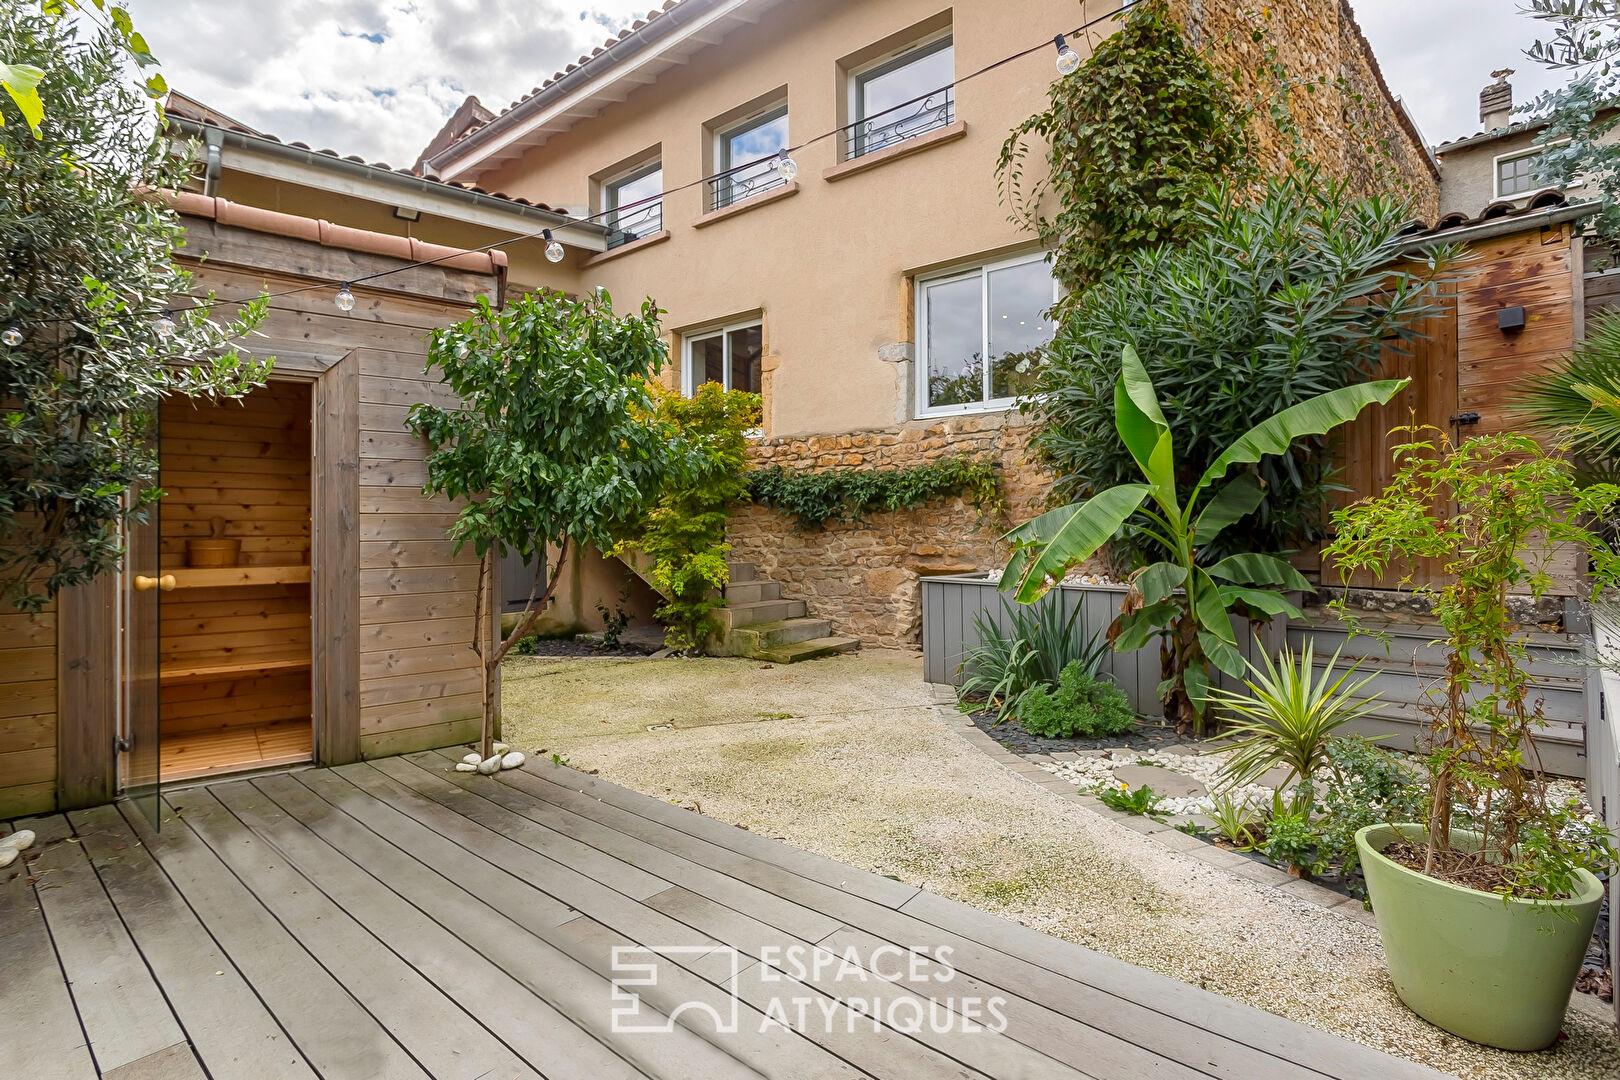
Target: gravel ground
[848,757]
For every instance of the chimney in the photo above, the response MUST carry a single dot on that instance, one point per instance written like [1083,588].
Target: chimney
[1496,102]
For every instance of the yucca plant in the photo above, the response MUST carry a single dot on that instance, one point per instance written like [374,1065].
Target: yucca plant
[1288,715]
[1030,654]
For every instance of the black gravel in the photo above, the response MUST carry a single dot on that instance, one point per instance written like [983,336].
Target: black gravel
[565,648]
[1150,734]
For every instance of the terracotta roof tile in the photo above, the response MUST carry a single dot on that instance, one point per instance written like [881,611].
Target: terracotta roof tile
[325,233]
[1457,219]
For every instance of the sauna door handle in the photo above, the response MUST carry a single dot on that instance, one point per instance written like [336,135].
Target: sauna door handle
[144,583]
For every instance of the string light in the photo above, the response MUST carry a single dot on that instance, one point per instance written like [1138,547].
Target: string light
[786,167]
[12,336]
[165,323]
[1068,61]
[554,250]
[344,298]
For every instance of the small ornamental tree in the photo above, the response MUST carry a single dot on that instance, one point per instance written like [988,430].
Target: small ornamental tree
[555,441]
[85,276]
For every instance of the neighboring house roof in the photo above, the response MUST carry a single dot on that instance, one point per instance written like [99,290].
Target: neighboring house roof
[636,57]
[265,155]
[469,115]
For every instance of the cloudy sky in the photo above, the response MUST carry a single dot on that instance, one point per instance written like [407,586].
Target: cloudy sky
[378,77]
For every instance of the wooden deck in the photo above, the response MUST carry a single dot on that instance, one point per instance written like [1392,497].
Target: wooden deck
[395,919]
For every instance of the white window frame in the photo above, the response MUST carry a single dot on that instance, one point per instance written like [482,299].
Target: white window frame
[724,331]
[723,162]
[983,271]
[1514,155]
[854,76]
[610,188]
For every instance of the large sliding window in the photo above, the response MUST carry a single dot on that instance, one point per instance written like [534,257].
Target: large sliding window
[896,99]
[980,334]
[631,206]
[729,355]
[745,157]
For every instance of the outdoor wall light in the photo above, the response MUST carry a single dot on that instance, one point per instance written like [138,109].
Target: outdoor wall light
[1510,319]
[1068,61]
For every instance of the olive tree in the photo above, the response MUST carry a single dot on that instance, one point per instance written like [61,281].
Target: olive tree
[554,442]
[86,351]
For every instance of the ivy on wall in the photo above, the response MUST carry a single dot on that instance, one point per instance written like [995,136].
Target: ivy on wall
[847,495]
[1134,138]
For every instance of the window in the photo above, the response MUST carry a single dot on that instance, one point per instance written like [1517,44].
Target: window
[728,355]
[1516,175]
[750,149]
[896,99]
[626,207]
[997,311]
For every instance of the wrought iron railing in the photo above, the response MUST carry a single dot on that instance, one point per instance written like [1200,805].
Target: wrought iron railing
[634,222]
[744,181]
[906,120]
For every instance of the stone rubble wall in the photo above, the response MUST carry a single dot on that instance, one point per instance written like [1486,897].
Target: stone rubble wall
[864,576]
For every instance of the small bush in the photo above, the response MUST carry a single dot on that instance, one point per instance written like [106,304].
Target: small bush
[1082,707]
[1007,664]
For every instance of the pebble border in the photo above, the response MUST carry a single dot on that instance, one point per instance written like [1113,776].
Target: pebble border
[1168,835]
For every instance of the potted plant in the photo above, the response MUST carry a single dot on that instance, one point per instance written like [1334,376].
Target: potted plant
[1486,907]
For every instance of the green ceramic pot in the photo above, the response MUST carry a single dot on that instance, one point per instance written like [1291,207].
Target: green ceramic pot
[1492,971]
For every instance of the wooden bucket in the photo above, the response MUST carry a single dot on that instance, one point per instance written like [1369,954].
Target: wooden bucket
[216,551]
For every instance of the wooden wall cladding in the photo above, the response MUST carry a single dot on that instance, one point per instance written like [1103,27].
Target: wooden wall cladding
[28,714]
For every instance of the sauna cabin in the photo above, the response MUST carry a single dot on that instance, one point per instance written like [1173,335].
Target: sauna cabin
[294,598]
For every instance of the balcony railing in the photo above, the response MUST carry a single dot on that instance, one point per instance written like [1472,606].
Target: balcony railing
[907,120]
[742,182]
[634,222]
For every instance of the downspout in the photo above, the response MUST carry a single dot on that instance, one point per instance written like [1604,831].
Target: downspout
[213,166]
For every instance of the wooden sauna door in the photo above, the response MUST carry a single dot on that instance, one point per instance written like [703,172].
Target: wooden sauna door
[144,585]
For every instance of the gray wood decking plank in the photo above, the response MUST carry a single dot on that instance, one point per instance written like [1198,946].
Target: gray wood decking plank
[520,814]
[527,1005]
[43,1039]
[233,1033]
[438,1032]
[1169,1036]
[336,1035]
[171,1063]
[122,1010]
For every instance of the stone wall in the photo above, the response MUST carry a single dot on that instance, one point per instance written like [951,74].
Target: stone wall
[864,576]
[1346,115]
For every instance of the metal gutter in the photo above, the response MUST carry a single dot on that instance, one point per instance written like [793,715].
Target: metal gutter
[666,25]
[1502,226]
[387,186]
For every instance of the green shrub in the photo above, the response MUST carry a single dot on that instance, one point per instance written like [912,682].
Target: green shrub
[1032,653]
[1364,785]
[1082,707]
[1144,801]
[848,495]
[685,532]
[1293,838]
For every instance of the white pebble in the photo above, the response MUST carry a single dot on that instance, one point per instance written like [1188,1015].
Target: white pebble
[7,857]
[18,841]
[490,765]
[501,748]
[512,760]
[471,759]
[462,766]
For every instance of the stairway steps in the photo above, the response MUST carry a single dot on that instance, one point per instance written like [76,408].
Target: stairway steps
[743,571]
[734,616]
[749,640]
[749,592]
[814,649]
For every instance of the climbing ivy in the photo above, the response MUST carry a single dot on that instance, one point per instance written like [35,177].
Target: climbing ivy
[847,495]
[1134,139]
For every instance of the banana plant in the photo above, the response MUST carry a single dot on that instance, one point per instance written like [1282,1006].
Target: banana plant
[1180,597]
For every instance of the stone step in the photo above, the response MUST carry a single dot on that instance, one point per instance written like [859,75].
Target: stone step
[750,592]
[759,611]
[742,571]
[761,637]
[814,649]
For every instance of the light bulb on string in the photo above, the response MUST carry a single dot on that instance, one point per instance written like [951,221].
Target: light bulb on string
[12,336]
[786,167]
[165,323]
[554,249]
[1068,61]
[344,298]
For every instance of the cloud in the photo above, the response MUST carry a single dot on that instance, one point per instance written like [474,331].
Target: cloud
[374,78]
